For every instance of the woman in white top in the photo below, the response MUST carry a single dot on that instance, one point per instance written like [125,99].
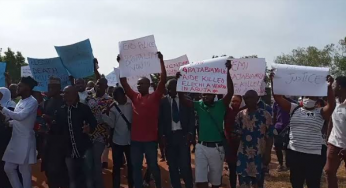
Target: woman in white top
[305,145]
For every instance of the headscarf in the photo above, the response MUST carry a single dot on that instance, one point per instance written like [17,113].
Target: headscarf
[6,98]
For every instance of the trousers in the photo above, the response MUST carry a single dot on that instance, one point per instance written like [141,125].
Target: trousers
[12,174]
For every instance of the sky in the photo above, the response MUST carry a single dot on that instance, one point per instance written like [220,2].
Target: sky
[197,28]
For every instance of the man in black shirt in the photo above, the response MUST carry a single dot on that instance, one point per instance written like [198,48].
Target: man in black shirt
[74,121]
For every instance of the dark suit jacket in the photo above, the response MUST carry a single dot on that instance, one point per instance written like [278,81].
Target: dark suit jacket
[187,118]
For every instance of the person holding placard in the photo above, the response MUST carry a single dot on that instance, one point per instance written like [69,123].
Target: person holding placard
[307,155]
[21,150]
[144,132]
[337,133]
[210,152]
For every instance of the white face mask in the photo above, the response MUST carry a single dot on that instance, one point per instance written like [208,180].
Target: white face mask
[308,103]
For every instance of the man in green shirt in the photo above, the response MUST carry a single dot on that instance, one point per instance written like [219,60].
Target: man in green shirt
[209,150]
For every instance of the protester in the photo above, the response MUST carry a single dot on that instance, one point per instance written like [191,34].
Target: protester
[90,86]
[53,160]
[177,127]
[305,145]
[281,119]
[337,139]
[82,92]
[21,150]
[74,121]
[233,142]
[98,103]
[5,132]
[144,135]
[209,150]
[40,127]
[110,91]
[120,123]
[195,97]
[256,131]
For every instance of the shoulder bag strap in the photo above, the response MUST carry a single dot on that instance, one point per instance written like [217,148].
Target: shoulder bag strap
[123,116]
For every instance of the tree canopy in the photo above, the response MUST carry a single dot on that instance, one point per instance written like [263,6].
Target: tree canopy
[14,61]
[333,56]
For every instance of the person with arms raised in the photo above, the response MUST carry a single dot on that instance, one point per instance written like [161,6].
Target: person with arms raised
[144,133]
[210,152]
[337,133]
[21,150]
[307,156]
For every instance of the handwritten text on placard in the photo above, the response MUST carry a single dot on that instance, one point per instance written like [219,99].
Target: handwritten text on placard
[43,69]
[207,76]
[173,65]
[300,80]
[248,74]
[138,57]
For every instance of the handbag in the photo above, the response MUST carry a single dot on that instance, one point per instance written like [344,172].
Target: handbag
[224,141]
[285,133]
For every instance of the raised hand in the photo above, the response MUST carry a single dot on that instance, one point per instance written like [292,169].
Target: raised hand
[177,75]
[228,64]
[159,55]
[330,80]
[118,58]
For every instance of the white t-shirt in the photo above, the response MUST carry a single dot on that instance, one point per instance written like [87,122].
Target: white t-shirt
[305,130]
[338,134]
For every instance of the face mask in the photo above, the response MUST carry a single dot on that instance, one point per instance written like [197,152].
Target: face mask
[308,103]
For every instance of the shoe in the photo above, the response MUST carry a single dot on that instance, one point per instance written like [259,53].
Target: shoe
[281,168]
[104,165]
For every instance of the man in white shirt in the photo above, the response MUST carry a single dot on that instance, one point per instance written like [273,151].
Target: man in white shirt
[21,150]
[82,92]
[120,122]
[337,137]
[176,129]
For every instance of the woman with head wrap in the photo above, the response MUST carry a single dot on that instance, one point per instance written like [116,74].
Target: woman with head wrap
[5,132]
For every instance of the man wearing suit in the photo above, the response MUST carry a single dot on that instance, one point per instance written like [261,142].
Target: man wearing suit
[176,128]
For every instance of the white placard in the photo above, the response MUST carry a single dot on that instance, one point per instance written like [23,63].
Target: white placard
[173,65]
[248,74]
[112,78]
[138,57]
[25,71]
[296,80]
[208,76]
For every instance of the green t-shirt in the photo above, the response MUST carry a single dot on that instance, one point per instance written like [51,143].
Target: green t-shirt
[207,128]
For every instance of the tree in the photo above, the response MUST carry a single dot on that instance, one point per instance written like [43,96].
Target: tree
[333,56]
[14,62]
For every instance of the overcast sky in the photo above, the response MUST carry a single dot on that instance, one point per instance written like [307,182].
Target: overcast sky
[197,28]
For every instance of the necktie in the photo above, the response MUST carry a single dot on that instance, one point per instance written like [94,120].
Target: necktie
[175,111]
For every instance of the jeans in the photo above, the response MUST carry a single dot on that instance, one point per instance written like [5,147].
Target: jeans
[179,159]
[94,164]
[333,164]
[306,167]
[118,154]
[150,151]
[76,172]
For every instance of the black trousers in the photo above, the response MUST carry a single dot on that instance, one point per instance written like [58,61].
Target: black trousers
[118,155]
[179,159]
[232,168]
[306,167]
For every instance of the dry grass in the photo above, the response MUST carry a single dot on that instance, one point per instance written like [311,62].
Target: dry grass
[274,180]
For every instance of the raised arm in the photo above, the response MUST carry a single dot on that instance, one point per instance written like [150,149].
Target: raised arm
[230,89]
[163,75]
[329,108]
[97,74]
[22,114]
[282,102]
[123,81]
[8,79]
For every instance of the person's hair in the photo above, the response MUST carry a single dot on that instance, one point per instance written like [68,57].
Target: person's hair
[169,81]
[341,81]
[118,90]
[321,102]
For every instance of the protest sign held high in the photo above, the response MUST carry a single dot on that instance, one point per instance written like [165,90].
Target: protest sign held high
[2,74]
[173,65]
[43,69]
[138,57]
[112,78]
[248,74]
[78,58]
[300,80]
[25,71]
[207,76]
